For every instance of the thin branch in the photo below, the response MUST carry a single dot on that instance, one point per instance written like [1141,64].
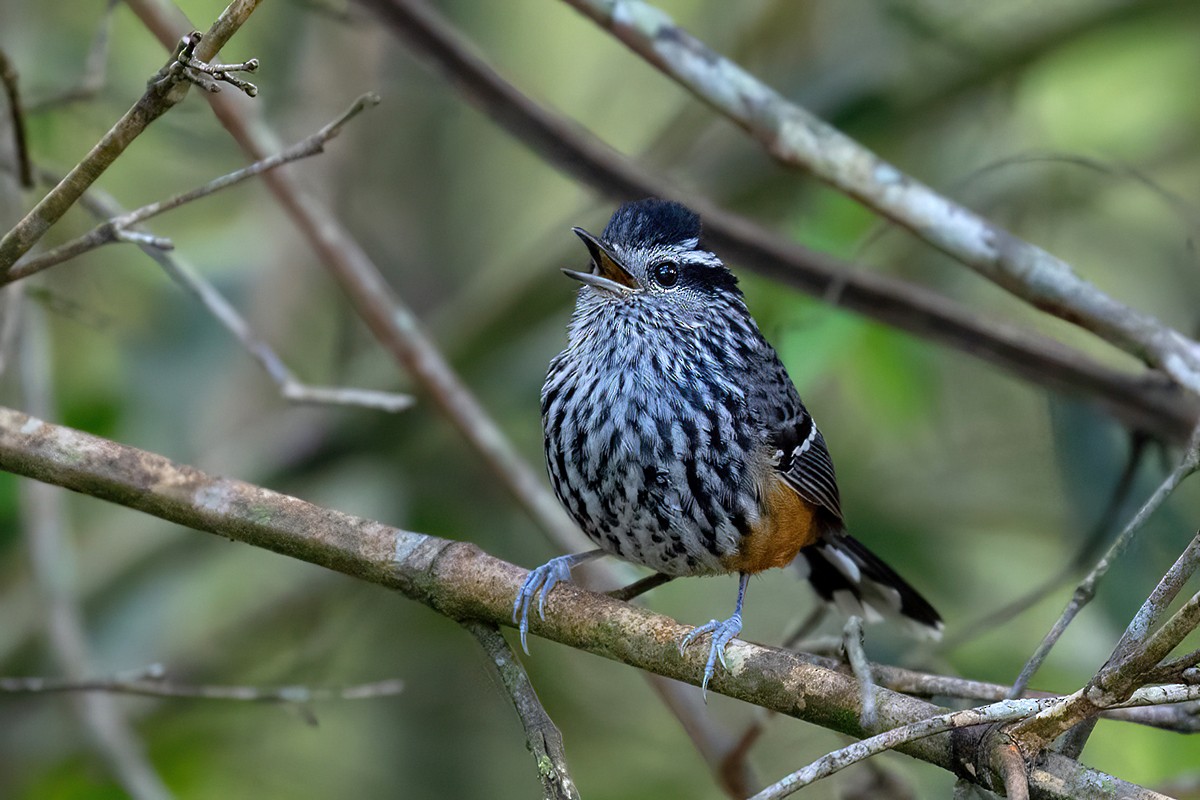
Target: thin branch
[11,299]
[797,138]
[1146,402]
[995,713]
[120,227]
[51,570]
[155,685]
[396,327]
[1099,533]
[640,587]
[160,96]
[1003,711]
[542,737]
[1087,588]
[1152,610]
[290,387]
[714,743]
[1131,665]
[16,120]
[460,581]
[852,642]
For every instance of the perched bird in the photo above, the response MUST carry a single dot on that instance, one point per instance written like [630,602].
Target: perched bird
[676,440]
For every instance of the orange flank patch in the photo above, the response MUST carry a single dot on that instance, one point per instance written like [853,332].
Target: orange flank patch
[788,524]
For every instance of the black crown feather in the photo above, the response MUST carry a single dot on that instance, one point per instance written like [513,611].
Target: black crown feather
[652,222]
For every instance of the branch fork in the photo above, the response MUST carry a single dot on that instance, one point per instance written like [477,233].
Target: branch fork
[186,65]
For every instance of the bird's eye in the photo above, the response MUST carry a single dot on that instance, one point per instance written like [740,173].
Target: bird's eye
[665,274]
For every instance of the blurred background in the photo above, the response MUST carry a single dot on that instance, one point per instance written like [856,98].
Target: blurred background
[1074,124]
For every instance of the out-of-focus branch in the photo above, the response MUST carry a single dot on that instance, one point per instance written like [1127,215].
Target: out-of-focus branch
[123,227]
[290,387]
[1087,588]
[391,321]
[161,95]
[1142,625]
[797,138]
[52,573]
[541,734]
[461,582]
[397,327]
[1132,665]
[1145,402]
[16,120]
[153,683]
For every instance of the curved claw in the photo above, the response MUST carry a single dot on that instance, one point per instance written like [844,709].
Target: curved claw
[722,634]
[538,584]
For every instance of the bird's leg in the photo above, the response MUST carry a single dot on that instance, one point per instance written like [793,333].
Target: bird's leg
[539,582]
[722,633]
[852,642]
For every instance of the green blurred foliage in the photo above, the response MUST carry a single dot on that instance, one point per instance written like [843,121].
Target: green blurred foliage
[975,485]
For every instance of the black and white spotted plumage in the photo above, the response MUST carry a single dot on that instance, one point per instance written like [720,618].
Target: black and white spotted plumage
[670,422]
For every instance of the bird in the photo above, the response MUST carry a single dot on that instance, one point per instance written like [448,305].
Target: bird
[676,440]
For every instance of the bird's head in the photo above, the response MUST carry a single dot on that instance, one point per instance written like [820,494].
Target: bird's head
[650,252]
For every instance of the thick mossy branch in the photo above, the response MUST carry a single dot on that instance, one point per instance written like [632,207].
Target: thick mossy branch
[463,582]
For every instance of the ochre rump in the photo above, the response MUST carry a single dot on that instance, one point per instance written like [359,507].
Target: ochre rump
[788,523]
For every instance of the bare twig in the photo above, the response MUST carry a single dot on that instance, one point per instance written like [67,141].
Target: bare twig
[121,227]
[852,642]
[797,138]
[10,323]
[398,329]
[1131,665]
[640,587]
[541,735]
[291,388]
[715,745]
[1168,588]
[1145,402]
[160,97]
[16,120]
[1000,712]
[460,581]
[1087,588]
[191,67]
[153,683]
[51,565]
[1004,711]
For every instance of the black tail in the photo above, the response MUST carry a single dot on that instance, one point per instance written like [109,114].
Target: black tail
[855,580]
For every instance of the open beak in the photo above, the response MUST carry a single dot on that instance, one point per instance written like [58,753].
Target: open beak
[607,272]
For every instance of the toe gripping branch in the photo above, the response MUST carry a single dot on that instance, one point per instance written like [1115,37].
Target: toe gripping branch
[538,583]
[722,634]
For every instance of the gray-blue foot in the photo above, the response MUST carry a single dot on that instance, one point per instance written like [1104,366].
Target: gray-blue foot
[538,584]
[722,634]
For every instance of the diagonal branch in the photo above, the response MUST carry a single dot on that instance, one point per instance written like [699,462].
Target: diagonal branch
[461,582]
[397,328]
[160,96]
[797,138]
[152,683]
[1087,588]
[541,734]
[44,523]
[1146,402]
[122,227]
